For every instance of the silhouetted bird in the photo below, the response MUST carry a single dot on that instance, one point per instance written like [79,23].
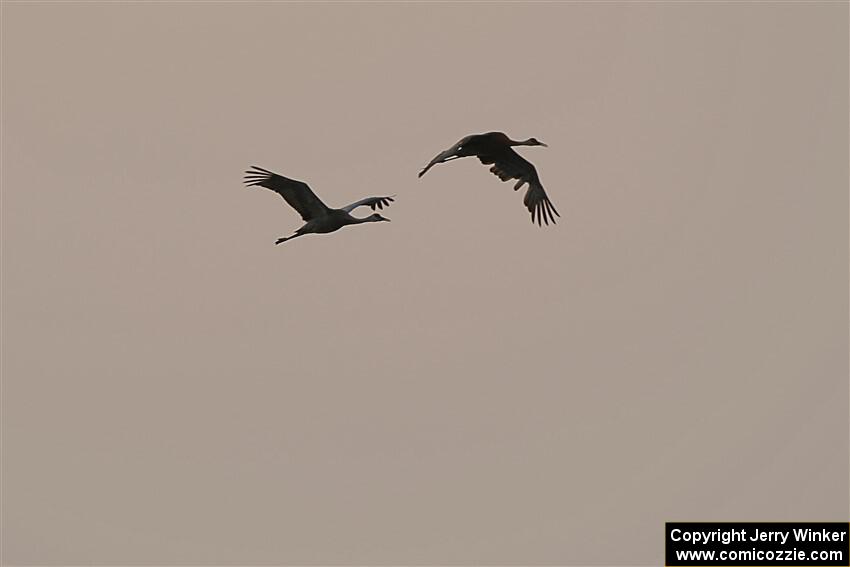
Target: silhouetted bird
[319,217]
[495,148]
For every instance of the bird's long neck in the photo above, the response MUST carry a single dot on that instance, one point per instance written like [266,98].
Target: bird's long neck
[355,220]
[527,142]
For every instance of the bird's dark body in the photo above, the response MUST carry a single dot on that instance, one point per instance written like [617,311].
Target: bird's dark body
[335,220]
[490,144]
[495,148]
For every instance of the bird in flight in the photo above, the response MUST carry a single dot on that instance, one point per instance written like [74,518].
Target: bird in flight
[495,148]
[318,217]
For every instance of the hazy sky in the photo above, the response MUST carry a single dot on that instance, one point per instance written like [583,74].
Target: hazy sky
[457,386]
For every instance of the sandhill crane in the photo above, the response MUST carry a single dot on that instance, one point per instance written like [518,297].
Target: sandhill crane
[319,217]
[495,148]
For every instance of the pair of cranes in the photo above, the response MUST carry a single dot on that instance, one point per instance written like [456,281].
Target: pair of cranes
[492,148]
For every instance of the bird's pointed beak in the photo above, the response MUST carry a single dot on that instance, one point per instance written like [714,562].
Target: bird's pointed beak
[386,219]
[544,145]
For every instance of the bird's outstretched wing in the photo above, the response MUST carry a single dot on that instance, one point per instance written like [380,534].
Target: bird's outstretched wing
[297,193]
[441,157]
[537,202]
[371,202]
[510,165]
[463,148]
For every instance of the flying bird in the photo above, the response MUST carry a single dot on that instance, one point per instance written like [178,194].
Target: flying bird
[495,148]
[318,217]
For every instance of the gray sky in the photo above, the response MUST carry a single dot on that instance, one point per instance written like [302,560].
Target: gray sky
[457,386]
